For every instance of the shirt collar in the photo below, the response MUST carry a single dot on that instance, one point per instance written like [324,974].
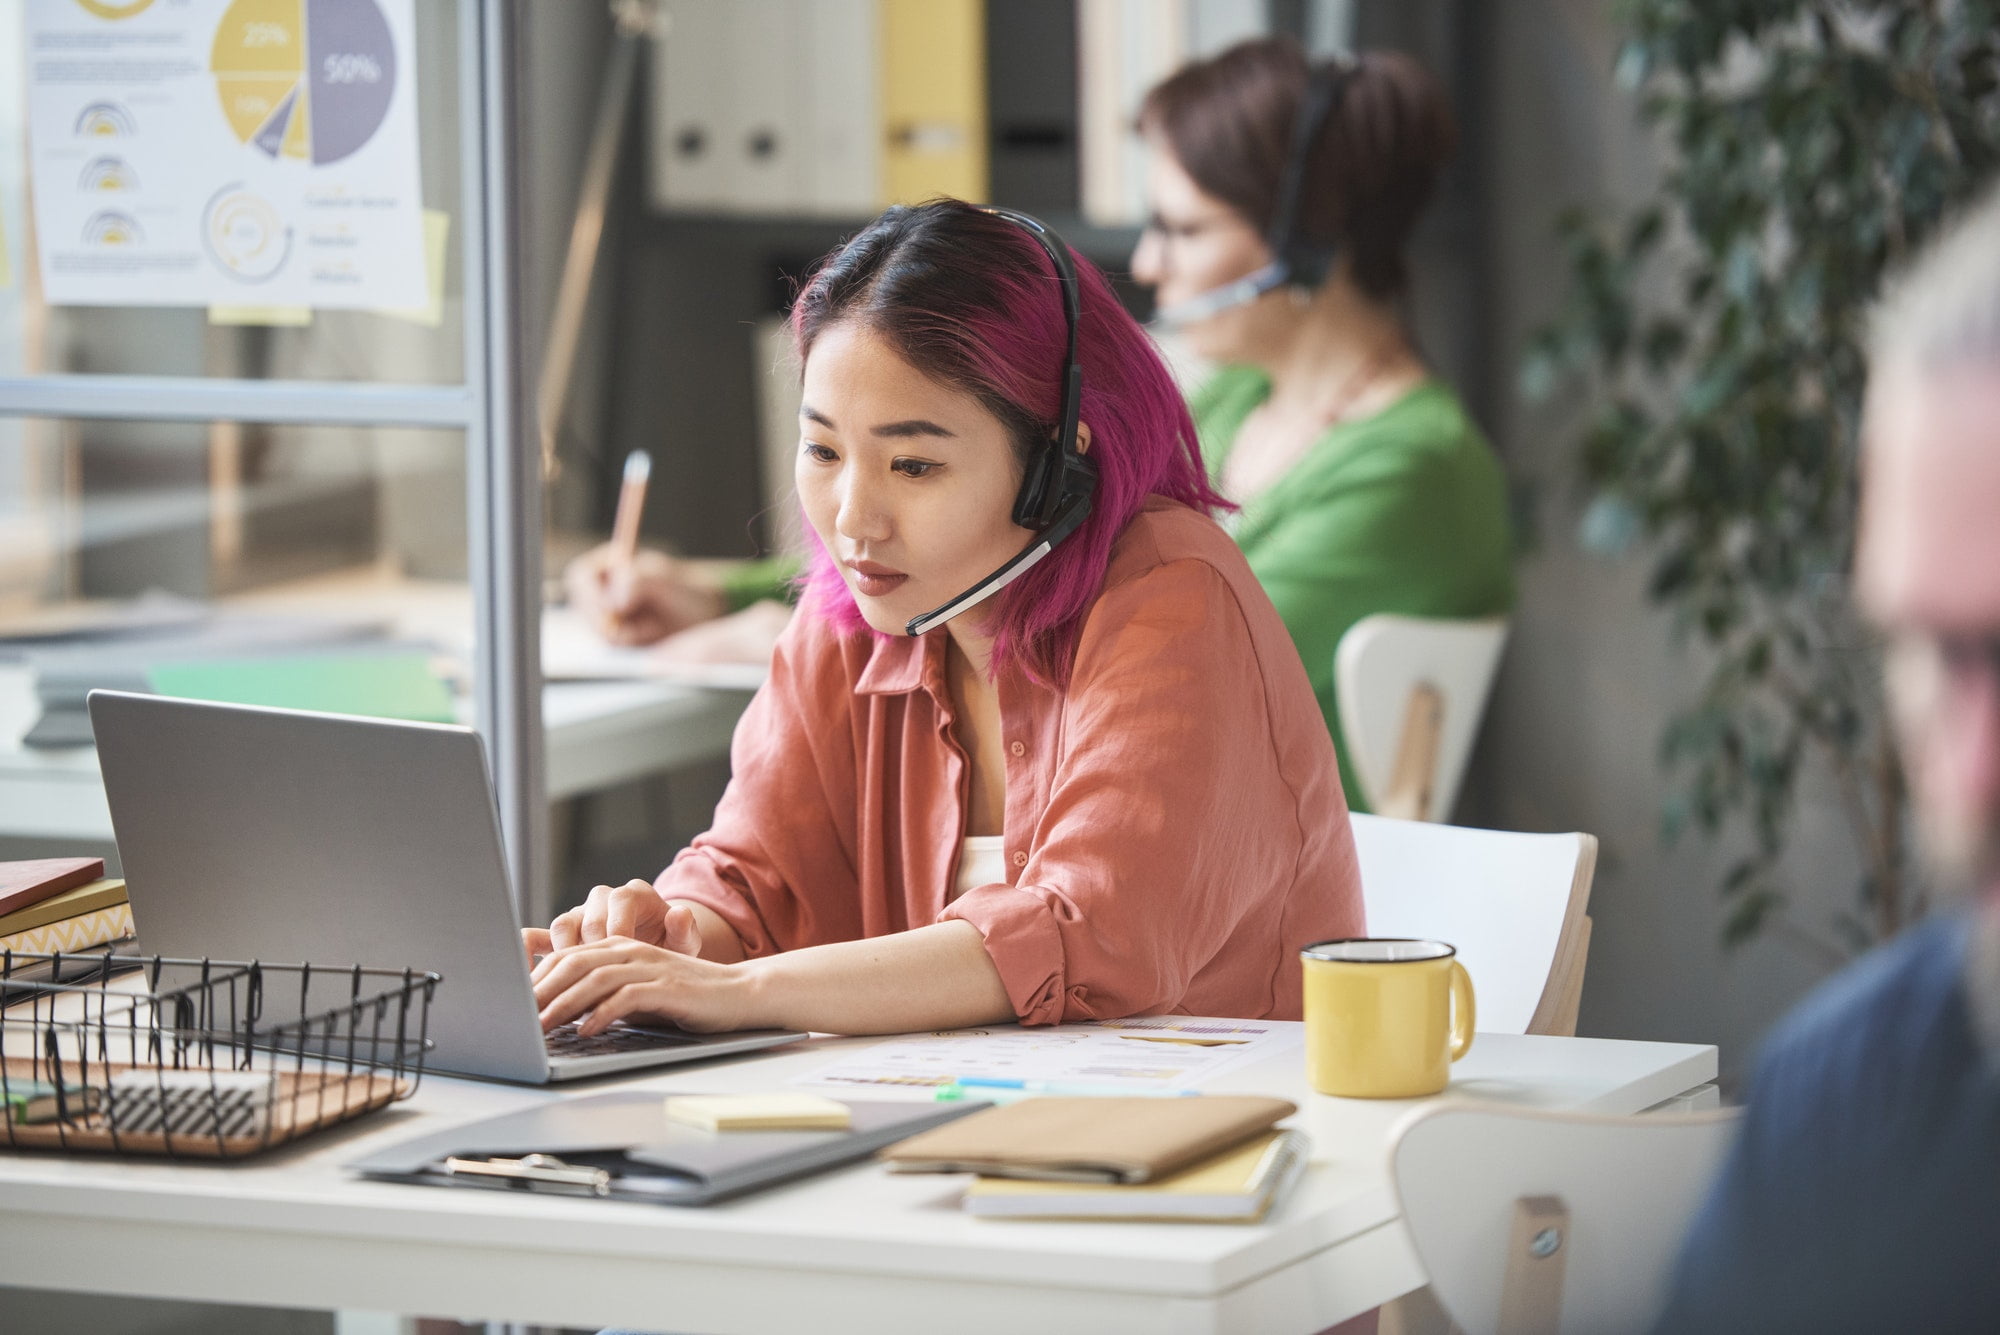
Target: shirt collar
[900,664]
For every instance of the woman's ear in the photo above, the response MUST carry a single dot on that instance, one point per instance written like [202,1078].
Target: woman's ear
[1083,438]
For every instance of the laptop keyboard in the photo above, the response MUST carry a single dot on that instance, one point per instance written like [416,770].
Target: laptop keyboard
[564,1041]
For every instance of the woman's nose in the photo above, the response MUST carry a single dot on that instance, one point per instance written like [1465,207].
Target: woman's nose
[863,515]
[1146,259]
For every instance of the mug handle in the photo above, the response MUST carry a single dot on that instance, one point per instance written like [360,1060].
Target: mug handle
[1463,1013]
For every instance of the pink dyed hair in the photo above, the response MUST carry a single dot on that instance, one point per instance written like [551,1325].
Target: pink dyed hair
[972,301]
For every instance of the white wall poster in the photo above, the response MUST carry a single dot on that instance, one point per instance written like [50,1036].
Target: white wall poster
[225,152]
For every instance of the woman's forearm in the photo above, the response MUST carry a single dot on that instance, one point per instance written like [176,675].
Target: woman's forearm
[936,977]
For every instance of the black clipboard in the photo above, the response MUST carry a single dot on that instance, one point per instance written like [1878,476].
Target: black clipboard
[621,1146]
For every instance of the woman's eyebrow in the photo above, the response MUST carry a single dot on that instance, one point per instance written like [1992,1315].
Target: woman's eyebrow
[914,426]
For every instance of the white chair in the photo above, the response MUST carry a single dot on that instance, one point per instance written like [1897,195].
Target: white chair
[1513,904]
[1411,691]
[1552,1222]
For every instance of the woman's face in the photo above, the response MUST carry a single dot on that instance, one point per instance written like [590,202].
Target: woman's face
[910,484]
[1195,243]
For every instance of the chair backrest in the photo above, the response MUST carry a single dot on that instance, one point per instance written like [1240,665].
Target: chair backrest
[1481,1187]
[1395,676]
[1513,904]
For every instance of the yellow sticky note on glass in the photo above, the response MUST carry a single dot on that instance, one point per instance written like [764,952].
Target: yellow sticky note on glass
[759,1112]
[437,233]
[276,315]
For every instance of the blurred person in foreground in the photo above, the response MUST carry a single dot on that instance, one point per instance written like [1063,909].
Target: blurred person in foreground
[1864,1193]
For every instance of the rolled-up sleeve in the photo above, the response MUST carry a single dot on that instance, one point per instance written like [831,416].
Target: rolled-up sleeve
[1172,836]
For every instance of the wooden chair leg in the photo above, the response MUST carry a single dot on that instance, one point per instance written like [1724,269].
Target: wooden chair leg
[1411,781]
[1537,1248]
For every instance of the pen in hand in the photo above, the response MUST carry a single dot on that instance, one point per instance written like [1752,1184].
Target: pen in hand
[625,531]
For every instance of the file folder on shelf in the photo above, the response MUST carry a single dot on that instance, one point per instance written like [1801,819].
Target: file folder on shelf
[933,99]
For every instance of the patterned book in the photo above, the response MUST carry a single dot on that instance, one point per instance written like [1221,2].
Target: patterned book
[104,894]
[89,929]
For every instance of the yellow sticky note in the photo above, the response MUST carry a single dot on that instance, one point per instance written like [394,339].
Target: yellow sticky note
[437,232]
[278,315]
[758,1112]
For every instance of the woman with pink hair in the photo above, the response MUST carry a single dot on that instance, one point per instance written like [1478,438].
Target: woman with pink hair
[1037,747]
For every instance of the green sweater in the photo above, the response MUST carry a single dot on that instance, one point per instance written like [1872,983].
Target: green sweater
[1405,511]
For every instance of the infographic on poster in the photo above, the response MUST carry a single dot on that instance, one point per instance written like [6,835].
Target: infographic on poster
[226,152]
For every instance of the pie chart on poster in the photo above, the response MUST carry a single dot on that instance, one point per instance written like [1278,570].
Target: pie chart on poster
[308,80]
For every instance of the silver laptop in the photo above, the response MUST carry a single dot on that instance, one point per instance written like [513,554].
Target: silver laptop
[272,834]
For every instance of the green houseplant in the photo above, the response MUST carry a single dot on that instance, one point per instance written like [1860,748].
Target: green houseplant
[1721,329]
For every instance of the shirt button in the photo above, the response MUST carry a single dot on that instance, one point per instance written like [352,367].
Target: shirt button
[1020,859]
[1018,748]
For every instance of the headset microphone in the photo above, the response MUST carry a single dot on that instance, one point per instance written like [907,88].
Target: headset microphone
[1056,493]
[1293,262]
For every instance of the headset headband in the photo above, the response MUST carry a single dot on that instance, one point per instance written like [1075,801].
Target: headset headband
[1306,265]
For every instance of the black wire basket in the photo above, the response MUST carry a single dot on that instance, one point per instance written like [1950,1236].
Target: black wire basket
[209,1059]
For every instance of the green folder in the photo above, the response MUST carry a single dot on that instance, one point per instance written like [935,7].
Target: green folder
[390,685]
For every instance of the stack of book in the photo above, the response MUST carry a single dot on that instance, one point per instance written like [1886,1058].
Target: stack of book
[1220,1159]
[61,904]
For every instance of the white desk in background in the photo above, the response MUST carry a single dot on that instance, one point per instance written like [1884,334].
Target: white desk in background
[854,1250]
[599,733]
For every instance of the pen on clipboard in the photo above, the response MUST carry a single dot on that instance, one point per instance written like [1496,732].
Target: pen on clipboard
[625,527]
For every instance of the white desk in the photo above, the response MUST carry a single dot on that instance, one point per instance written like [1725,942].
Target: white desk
[856,1250]
[599,734]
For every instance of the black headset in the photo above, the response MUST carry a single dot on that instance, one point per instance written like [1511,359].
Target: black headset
[1294,260]
[1061,482]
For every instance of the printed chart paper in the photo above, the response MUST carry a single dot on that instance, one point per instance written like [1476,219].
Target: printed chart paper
[226,152]
[1158,1053]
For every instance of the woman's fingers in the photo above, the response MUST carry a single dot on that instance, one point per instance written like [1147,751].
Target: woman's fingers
[566,930]
[618,979]
[679,930]
[536,941]
[585,994]
[634,910]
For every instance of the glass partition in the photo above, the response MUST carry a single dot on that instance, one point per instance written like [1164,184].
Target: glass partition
[307,566]
[236,332]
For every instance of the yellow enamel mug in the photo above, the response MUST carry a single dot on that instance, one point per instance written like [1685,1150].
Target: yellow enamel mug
[1385,1018]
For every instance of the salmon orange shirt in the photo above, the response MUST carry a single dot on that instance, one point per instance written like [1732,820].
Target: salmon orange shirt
[1174,827]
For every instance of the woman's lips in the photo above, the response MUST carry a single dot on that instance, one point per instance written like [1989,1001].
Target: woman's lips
[875,580]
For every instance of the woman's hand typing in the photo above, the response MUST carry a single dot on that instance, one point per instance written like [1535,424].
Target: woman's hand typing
[620,979]
[633,910]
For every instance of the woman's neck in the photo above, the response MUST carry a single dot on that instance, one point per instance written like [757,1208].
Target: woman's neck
[1337,337]
[974,645]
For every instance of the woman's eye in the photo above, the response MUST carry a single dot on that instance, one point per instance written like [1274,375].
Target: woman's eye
[816,451]
[913,467]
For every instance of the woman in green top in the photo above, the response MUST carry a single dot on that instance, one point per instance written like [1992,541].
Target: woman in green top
[1364,487]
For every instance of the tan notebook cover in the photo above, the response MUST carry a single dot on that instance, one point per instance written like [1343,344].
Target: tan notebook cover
[1089,1139]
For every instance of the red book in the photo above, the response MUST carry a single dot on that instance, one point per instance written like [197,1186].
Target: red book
[25,883]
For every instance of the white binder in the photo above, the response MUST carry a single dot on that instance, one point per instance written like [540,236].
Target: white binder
[838,61]
[760,108]
[689,72]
